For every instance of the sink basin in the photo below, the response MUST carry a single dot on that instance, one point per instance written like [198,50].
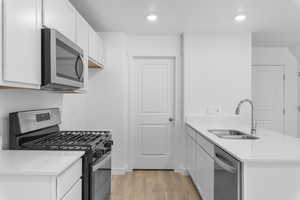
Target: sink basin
[232,134]
[239,137]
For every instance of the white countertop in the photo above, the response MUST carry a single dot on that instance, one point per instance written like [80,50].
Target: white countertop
[50,163]
[270,147]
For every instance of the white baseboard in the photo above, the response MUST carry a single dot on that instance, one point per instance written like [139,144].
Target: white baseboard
[182,171]
[123,171]
[118,171]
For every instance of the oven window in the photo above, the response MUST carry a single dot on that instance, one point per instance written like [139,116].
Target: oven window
[66,60]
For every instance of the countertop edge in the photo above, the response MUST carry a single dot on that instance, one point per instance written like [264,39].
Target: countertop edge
[43,173]
[247,161]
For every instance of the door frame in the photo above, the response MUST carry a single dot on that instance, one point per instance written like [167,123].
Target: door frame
[132,129]
[283,68]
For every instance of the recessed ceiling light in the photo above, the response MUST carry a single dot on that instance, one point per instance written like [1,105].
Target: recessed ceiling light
[240,17]
[152,17]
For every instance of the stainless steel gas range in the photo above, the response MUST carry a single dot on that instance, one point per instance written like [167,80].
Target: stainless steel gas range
[39,130]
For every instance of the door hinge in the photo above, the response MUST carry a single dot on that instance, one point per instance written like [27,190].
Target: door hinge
[283,111]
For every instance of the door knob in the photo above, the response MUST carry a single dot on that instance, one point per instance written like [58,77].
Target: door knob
[171,119]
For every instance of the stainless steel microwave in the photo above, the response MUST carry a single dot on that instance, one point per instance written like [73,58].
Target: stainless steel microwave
[62,62]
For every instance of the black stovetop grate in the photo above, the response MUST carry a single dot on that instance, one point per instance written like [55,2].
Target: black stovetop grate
[70,138]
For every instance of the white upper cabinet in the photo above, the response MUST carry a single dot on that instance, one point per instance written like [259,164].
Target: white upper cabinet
[1,41]
[82,33]
[20,38]
[93,40]
[96,48]
[82,40]
[60,15]
[100,50]
[21,43]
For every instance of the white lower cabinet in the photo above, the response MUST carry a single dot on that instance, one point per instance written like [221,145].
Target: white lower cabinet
[200,164]
[66,180]
[64,186]
[206,174]
[75,193]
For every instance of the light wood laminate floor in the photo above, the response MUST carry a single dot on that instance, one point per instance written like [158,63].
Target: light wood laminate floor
[153,185]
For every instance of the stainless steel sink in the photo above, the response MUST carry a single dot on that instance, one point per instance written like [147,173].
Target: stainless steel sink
[232,134]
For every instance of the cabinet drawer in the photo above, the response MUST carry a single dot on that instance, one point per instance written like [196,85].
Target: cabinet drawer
[205,144]
[68,178]
[75,193]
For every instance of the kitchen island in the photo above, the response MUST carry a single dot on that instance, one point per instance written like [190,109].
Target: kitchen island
[269,165]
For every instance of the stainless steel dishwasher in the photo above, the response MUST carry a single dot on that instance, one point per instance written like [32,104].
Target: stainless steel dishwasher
[227,176]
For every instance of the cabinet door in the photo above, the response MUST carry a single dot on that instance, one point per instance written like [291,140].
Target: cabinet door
[82,40]
[193,145]
[201,171]
[199,167]
[93,40]
[82,33]
[22,42]
[100,46]
[189,153]
[1,41]
[205,168]
[188,150]
[75,193]
[60,15]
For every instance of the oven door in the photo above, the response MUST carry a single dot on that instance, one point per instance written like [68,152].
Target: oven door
[101,178]
[63,63]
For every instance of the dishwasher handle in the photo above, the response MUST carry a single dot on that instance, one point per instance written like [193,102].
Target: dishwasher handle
[219,160]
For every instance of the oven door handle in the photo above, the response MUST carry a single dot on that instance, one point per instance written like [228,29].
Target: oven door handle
[101,163]
[224,165]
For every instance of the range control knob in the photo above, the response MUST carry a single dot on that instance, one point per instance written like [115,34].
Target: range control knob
[98,153]
[108,144]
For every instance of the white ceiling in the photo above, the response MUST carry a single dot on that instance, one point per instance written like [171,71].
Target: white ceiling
[176,16]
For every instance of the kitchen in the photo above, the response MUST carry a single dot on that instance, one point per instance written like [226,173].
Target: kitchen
[205,62]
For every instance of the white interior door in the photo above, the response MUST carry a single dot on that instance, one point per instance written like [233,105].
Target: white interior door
[153,110]
[268,96]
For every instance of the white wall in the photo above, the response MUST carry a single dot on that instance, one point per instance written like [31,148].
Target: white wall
[282,56]
[217,71]
[104,105]
[19,100]
[74,112]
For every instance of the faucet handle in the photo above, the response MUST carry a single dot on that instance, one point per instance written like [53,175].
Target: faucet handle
[253,129]
[255,124]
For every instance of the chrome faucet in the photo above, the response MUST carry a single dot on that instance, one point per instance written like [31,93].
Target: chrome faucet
[237,112]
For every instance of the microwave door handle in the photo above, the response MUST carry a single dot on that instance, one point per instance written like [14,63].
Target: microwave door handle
[224,165]
[76,67]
